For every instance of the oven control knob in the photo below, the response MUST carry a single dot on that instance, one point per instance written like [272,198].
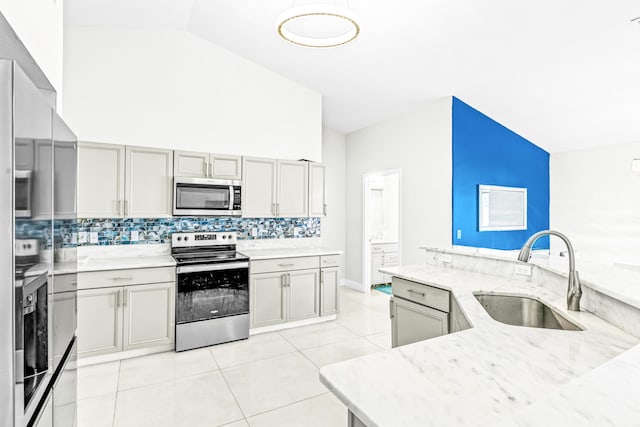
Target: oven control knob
[224,237]
[230,237]
[29,299]
[186,238]
[179,238]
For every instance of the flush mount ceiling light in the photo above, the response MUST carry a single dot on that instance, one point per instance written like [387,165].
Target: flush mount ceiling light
[318,25]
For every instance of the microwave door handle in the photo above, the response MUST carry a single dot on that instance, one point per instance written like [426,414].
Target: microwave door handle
[230,207]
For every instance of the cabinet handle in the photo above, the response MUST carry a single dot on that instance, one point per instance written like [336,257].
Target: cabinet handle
[119,298]
[118,206]
[391,308]
[206,169]
[211,170]
[277,209]
[322,277]
[284,280]
[288,280]
[124,298]
[286,265]
[126,207]
[411,291]
[273,209]
[122,278]
[324,209]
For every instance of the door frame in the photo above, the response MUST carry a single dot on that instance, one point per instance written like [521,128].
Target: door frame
[366,206]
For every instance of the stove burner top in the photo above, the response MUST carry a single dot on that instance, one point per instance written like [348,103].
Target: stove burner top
[205,248]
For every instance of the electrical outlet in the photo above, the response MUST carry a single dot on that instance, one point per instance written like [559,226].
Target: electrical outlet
[524,270]
[459,234]
[93,237]
[82,237]
[445,258]
[135,236]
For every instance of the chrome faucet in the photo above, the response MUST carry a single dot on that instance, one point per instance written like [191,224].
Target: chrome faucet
[574,291]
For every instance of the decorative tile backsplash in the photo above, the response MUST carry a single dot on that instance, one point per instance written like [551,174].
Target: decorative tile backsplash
[131,231]
[144,231]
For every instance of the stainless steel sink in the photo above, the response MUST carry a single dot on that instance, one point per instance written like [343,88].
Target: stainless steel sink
[522,311]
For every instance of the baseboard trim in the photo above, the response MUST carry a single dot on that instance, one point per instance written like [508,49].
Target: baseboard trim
[352,284]
[288,325]
[122,355]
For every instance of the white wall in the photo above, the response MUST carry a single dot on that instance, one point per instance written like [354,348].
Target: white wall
[418,143]
[333,232]
[38,24]
[172,89]
[595,200]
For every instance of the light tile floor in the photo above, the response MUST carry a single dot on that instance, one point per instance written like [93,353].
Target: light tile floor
[268,380]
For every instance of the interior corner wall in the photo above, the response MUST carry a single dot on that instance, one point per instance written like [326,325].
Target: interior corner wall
[39,25]
[595,201]
[333,226]
[485,152]
[172,89]
[419,144]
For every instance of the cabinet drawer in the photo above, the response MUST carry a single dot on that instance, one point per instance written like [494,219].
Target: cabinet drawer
[422,294]
[134,276]
[329,261]
[284,264]
[385,248]
[65,282]
[390,260]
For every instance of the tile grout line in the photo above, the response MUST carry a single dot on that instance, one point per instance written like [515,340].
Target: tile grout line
[289,404]
[234,396]
[115,402]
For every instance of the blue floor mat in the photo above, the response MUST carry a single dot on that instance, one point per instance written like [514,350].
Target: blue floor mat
[384,289]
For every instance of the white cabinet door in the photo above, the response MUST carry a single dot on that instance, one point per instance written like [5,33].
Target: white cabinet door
[293,200]
[149,174]
[329,291]
[99,321]
[65,161]
[42,181]
[303,294]
[317,190]
[259,189]
[412,322]
[377,262]
[226,167]
[267,294]
[191,164]
[148,315]
[100,180]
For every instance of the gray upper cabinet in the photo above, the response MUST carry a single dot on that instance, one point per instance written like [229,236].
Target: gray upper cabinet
[292,193]
[317,190]
[42,207]
[205,165]
[149,178]
[100,180]
[259,189]
[65,164]
[275,188]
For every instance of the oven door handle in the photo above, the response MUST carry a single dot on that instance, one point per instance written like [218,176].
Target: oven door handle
[211,267]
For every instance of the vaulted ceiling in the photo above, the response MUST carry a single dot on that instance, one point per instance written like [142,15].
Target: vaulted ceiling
[562,73]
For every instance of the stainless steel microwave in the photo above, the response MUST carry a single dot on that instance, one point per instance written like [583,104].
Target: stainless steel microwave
[23,193]
[207,197]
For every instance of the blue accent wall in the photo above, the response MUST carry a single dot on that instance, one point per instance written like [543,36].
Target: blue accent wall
[485,152]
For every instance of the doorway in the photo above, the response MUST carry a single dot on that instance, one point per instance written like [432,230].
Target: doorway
[381,226]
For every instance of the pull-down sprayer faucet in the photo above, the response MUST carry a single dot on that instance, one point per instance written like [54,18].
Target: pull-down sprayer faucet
[574,291]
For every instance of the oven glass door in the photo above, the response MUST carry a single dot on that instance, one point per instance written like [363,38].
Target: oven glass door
[203,197]
[204,295]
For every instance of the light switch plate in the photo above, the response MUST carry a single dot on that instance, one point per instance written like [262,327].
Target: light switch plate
[445,258]
[93,237]
[524,270]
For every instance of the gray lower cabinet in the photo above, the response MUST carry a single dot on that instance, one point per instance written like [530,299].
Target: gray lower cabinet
[148,315]
[267,293]
[303,295]
[121,318]
[329,290]
[283,296]
[411,322]
[99,321]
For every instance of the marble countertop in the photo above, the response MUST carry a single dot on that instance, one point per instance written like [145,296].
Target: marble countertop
[490,374]
[621,284]
[257,254]
[118,263]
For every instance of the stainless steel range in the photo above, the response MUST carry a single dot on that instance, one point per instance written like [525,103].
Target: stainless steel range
[212,289]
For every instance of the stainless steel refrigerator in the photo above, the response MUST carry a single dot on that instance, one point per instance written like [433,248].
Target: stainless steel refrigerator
[38,157]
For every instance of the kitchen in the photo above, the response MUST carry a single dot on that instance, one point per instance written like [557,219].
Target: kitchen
[212,106]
